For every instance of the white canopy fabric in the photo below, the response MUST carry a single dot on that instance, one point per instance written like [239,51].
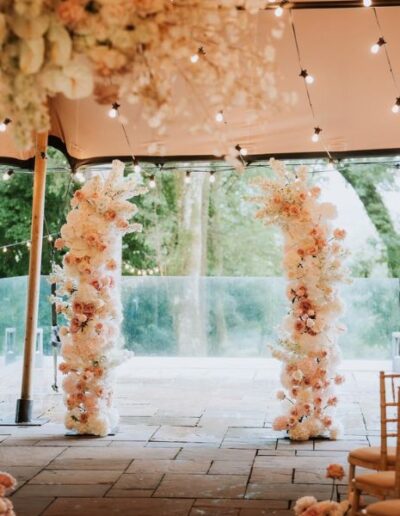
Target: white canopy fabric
[352,96]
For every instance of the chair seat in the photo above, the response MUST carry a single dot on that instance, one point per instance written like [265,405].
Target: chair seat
[386,508]
[373,454]
[381,480]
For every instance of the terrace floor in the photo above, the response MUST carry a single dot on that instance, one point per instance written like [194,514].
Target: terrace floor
[195,439]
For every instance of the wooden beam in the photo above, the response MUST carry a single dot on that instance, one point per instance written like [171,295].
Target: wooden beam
[331,4]
[25,403]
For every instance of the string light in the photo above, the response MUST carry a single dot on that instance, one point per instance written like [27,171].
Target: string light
[367,3]
[315,136]
[377,46]
[79,177]
[7,175]
[212,177]
[113,113]
[188,179]
[307,77]
[50,238]
[28,244]
[4,124]
[5,249]
[396,106]
[278,11]
[242,150]
[195,57]
[152,182]
[136,167]
[219,117]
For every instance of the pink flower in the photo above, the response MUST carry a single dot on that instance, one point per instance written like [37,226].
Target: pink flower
[280,423]
[110,215]
[280,395]
[339,234]
[339,379]
[70,13]
[303,504]
[7,480]
[59,243]
[332,401]
[111,265]
[335,471]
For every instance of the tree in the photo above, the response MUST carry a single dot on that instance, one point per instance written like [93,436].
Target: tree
[366,181]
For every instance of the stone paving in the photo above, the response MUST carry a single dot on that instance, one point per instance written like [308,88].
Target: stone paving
[195,439]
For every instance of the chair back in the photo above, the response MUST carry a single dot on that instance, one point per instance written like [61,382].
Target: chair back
[388,387]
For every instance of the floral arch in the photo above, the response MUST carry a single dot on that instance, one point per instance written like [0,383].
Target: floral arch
[307,346]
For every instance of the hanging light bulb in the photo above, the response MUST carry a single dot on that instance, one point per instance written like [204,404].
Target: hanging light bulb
[7,175]
[5,249]
[113,113]
[331,164]
[377,46]
[242,150]
[4,124]
[212,177]
[194,58]
[152,182]
[396,106]
[315,136]
[219,117]
[50,238]
[136,166]
[307,77]
[367,3]
[278,11]
[28,244]
[188,179]
[79,177]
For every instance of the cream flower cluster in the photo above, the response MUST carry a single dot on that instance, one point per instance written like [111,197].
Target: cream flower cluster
[309,506]
[313,254]
[7,483]
[139,50]
[88,296]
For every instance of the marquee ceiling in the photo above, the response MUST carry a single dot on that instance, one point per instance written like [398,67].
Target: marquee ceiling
[352,96]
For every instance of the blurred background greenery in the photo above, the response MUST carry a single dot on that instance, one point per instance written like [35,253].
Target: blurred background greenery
[204,276]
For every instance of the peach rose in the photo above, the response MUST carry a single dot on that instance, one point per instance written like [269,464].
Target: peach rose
[335,471]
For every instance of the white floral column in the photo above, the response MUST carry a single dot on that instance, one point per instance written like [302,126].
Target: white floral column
[89,297]
[313,266]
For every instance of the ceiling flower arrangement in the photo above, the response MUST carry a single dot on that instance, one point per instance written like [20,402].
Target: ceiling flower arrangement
[313,254]
[143,51]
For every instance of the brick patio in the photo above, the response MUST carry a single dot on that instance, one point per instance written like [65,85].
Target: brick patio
[195,439]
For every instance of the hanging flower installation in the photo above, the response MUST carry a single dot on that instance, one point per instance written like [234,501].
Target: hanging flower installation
[88,296]
[313,265]
[140,50]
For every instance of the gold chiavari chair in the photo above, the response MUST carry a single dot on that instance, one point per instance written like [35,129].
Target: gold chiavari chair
[382,484]
[383,457]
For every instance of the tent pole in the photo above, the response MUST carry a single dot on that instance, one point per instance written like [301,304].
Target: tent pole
[25,403]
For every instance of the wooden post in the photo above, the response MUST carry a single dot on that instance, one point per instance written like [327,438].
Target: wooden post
[25,403]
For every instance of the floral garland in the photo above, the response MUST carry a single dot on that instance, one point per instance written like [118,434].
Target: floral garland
[133,49]
[313,265]
[7,483]
[88,296]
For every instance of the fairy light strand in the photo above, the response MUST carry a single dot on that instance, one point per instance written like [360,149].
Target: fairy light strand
[384,45]
[316,137]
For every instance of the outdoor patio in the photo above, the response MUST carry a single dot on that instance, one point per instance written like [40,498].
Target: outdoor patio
[195,439]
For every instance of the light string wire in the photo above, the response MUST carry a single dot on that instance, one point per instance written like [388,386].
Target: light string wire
[311,106]
[387,55]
